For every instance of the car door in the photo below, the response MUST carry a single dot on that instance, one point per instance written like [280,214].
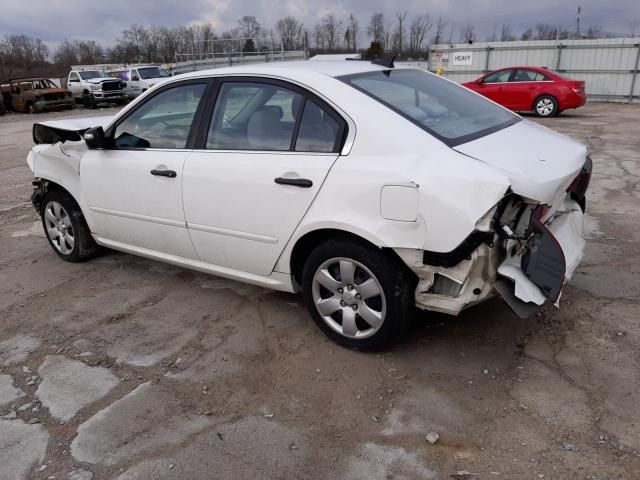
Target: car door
[493,87]
[17,96]
[263,159]
[74,85]
[525,86]
[134,189]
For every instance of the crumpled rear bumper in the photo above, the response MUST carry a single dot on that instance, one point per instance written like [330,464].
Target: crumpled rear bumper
[539,270]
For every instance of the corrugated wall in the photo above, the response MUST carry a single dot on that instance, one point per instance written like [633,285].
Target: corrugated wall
[608,66]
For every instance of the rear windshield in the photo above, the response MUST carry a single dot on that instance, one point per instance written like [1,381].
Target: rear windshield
[445,110]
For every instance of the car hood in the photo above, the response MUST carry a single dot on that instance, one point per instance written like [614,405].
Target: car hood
[102,80]
[78,124]
[539,162]
[42,91]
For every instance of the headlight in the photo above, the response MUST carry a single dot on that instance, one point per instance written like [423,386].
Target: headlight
[94,87]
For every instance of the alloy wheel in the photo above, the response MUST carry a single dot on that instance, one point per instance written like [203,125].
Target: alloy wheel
[545,107]
[349,298]
[59,227]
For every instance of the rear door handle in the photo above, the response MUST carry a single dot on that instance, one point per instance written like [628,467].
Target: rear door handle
[164,173]
[296,182]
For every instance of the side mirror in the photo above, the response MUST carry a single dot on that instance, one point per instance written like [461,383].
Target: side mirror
[95,138]
[74,80]
[479,81]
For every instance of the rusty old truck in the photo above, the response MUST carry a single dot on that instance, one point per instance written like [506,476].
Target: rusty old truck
[35,95]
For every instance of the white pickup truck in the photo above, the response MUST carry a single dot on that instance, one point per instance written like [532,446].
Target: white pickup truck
[139,79]
[92,88]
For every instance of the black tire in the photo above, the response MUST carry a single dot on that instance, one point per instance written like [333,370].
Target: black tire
[84,246]
[3,109]
[89,101]
[396,284]
[546,106]
[121,102]
[30,108]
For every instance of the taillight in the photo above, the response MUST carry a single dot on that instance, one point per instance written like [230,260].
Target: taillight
[578,187]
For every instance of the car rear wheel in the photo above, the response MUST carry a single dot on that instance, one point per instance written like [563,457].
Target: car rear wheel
[65,227]
[359,297]
[546,106]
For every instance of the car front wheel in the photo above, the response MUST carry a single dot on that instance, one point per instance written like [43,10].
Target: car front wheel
[546,106]
[65,227]
[359,296]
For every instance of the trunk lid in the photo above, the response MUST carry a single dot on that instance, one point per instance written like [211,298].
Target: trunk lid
[539,162]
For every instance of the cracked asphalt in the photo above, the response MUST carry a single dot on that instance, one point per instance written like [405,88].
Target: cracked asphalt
[125,368]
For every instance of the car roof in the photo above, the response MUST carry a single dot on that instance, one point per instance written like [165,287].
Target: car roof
[29,79]
[292,69]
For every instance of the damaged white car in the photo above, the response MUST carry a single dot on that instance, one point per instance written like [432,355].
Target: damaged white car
[372,189]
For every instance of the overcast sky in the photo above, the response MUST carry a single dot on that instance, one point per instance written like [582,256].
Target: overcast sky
[103,20]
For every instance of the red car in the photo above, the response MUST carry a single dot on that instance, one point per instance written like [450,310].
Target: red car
[530,89]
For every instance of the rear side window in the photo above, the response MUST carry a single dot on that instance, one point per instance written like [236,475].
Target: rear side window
[447,111]
[251,115]
[524,75]
[318,131]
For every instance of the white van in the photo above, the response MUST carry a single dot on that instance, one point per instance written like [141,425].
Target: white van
[139,79]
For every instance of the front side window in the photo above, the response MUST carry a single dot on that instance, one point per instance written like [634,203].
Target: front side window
[253,116]
[73,77]
[447,111]
[498,77]
[163,121]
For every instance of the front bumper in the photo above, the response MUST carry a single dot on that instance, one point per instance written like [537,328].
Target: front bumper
[43,105]
[114,96]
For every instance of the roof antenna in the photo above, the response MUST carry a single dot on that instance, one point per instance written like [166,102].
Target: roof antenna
[385,62]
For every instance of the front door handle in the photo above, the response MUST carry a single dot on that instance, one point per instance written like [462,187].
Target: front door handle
[296,182]
[164,173]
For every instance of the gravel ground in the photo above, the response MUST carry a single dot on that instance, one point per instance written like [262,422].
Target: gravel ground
[131,369]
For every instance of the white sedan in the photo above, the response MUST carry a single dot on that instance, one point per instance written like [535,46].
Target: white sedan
[373,189]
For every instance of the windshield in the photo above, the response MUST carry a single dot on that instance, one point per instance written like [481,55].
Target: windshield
[89,74]
[153,72]
[447,111]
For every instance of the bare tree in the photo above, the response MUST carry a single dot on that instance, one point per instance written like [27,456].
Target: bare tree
[319,37]
[376,27]
[290,30]
[468,33]
[441,24]
[506,34]
[331,27]
[249,27]
[418,30]
[132,40]
[400,30]
[66,54]
[527,34]
[352,32]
